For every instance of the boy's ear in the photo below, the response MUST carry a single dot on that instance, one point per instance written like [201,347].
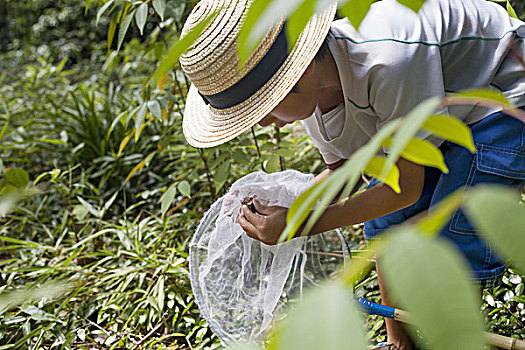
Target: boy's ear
[310,69]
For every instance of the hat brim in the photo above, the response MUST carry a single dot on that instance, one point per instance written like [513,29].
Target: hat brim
[205,126]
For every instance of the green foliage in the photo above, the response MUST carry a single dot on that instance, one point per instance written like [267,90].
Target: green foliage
[430,279]
[99,189]
[498,213]
[326,317]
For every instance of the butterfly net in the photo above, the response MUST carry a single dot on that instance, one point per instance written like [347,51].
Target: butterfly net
[241,284]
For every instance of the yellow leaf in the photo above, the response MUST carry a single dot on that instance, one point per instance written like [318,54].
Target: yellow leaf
[124,142]
[451,129]
[424,153]
[142,126]
[134,170]
[162,80]
[375,167]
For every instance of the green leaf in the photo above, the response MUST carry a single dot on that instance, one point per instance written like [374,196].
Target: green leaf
[158,50]
[8,200]
[356,10]
[19,242]
[89,207]
[250,36]
[4,128]
[179,46]
[240,157]
[285,152]
[160,7]
[167,198]
[451,129]
[17,177]
[296,22]
[111,30]
[184,188]
[61,64]
[88,2]
[124,25]
[141,17]
[410,126]
[154,108]
[414,5]
[424,153]
[221,175]
[496,211]
[102,10]
[347,176]
[325,319]
[439,215]
[160,293]
[139,119]
[486,95]
[271,165]
[429,278]
[511,11]
[375,167]
[300,208]
[49,290]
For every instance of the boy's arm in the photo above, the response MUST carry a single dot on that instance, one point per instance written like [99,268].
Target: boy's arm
[375,202]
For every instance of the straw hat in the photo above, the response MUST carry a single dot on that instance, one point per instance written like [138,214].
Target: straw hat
[224,101]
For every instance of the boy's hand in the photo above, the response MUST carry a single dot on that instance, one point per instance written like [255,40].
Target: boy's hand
[266,225]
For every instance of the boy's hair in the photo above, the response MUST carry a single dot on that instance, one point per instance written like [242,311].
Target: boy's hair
[319,56]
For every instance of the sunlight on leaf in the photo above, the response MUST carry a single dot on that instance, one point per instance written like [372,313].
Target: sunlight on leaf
[439,215]
[430,279]
[487,94]
[498,213]
[374,169]
[451,129]
[409,127]
[424,153]
[510,10]
[414,5]
[167,198]
[347,176]
[356,10]
[325,319]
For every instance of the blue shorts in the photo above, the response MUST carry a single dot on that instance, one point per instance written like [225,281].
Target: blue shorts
[499,158]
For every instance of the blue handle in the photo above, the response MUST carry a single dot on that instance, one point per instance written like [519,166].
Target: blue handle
[376,309]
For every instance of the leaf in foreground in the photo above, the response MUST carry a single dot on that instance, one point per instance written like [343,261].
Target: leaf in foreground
[9,300]
[497,212]
[429,279]
[325,319]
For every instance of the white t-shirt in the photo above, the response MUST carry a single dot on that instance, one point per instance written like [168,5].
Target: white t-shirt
[400,58]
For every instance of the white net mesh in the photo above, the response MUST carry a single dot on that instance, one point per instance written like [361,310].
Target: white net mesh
[239,283]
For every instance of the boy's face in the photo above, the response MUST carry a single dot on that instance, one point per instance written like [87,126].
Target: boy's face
[299,104]
[295,106]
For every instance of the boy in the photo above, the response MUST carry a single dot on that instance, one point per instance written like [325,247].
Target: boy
[344,85]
